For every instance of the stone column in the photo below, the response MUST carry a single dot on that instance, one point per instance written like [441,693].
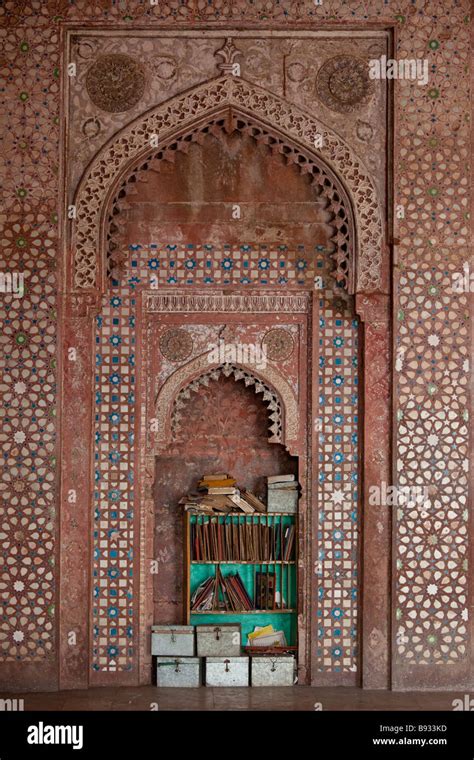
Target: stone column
[375,581]
[75,495]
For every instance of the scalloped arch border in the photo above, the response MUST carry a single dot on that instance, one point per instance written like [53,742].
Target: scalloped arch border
[185,375]
[176,115]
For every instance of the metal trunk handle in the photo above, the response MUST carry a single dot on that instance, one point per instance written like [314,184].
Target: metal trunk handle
[217,631]
[227,662]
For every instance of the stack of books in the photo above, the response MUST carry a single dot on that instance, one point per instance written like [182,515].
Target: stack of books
[218,493]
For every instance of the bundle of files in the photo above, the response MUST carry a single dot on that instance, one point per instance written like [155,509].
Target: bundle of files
[266,637]
[221,593]
[218,493]
[224,539]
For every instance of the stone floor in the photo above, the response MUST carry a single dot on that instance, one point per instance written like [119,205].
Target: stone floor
[296,698]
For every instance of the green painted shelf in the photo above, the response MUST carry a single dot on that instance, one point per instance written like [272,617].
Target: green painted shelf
[196,571]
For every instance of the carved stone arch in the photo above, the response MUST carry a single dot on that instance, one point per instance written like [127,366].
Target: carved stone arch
[325,184]
[282,402]
[269,397]
[197,106]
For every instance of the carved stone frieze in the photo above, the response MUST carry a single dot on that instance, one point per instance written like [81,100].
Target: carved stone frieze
[226,303]
[176,62]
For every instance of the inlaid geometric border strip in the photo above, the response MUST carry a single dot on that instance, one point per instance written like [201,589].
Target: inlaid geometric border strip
[114,535]
[221,265]
[338,482]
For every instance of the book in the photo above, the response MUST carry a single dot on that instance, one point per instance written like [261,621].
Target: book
[221,503]
[288,543]
[280,478]
[253,500]
[215,538]
[223,490]
[221,592]
[216,476]
[260,631]
[284,486]
[272,639]
[203,597]
[196,508]
[217,483]
[241,503]
[265,591]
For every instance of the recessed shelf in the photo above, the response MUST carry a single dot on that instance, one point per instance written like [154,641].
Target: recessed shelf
[263,582]
[238,562]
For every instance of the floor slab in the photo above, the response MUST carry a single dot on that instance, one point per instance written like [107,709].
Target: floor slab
[296,698]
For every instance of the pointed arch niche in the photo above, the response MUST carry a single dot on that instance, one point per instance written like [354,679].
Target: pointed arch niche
[226,419]
[112,212]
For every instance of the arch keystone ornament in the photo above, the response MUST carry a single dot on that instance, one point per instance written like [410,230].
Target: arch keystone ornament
[175,117]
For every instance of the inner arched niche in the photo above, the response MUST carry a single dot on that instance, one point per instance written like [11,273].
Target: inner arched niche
[223,427]
[189,195]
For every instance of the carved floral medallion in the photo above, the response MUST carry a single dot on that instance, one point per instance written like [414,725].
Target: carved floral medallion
[176,345]
[115,82]
[343,83]
[279,344]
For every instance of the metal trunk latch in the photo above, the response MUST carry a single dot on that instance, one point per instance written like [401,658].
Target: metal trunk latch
[176,670]
[227,662]
[173,637]
[217,631]
[273,668]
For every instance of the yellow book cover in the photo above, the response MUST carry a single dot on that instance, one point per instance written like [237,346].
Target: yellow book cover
[261,632]
[224,483]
